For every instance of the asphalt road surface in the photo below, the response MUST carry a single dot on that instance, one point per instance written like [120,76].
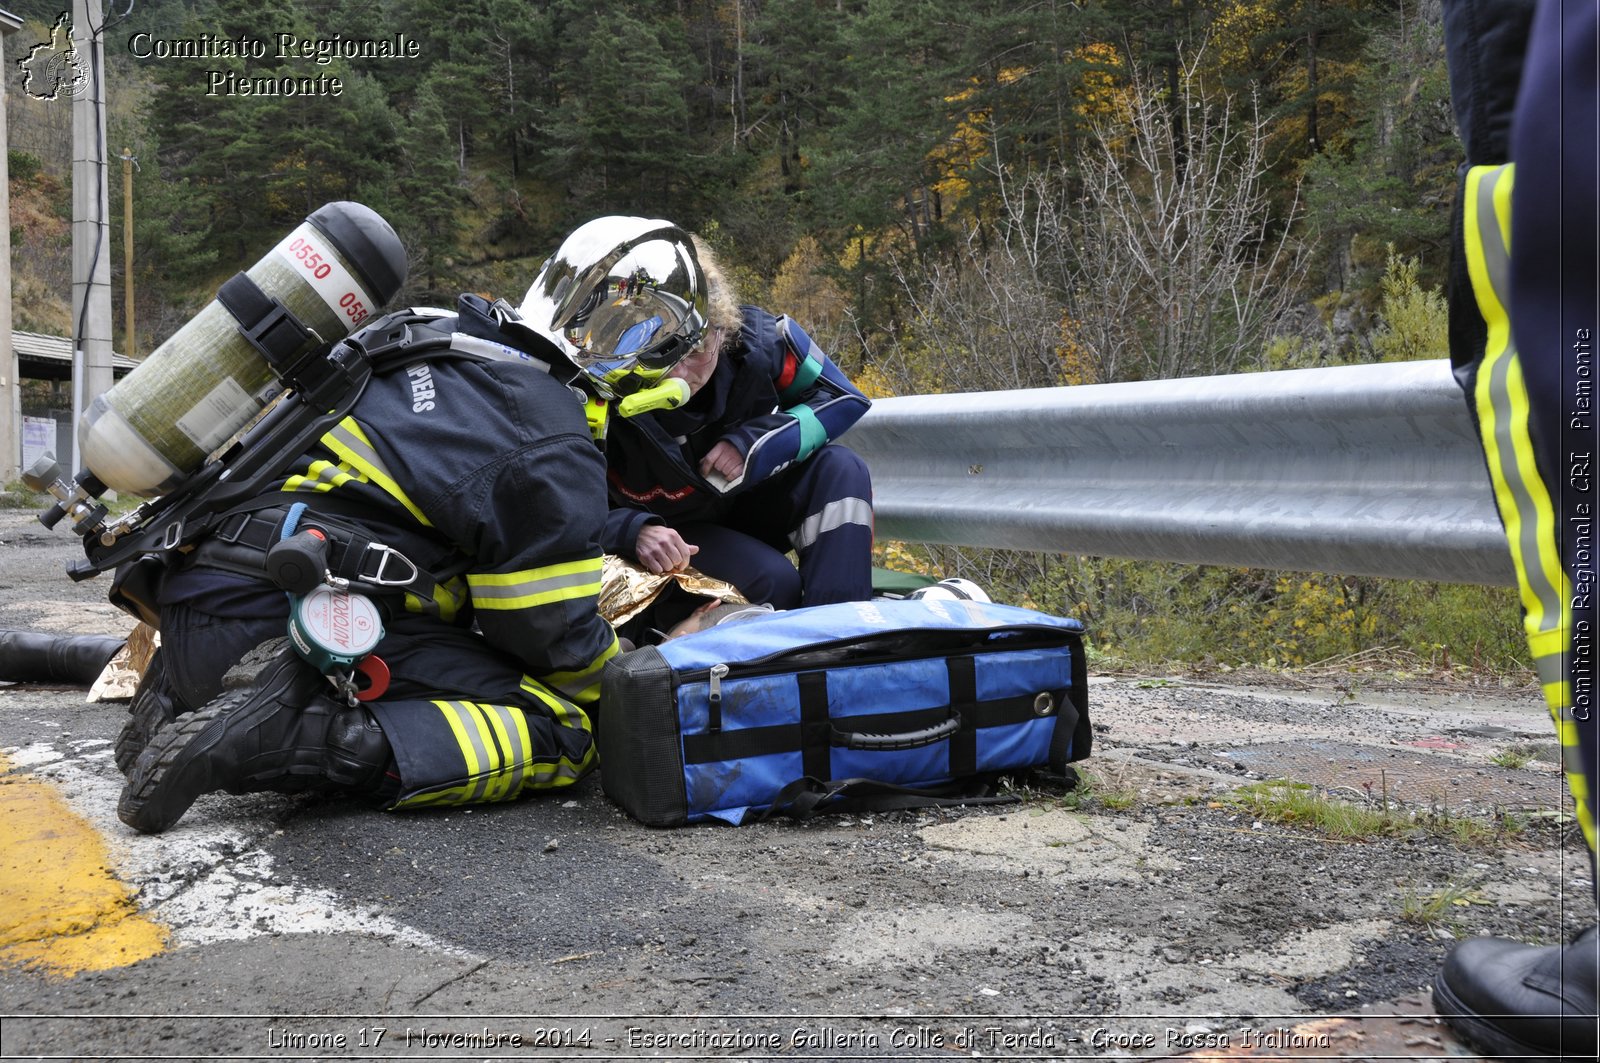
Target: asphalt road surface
[1155,915]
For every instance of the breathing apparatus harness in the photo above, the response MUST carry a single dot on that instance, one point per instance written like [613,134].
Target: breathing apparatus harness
[223,515]
[322,384]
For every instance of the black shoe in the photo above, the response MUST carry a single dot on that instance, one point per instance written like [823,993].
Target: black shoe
[1509,999]
[239,740]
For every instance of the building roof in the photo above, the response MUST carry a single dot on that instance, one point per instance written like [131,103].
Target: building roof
[51,356]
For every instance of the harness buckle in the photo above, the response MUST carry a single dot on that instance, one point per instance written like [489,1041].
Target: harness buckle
[386,554]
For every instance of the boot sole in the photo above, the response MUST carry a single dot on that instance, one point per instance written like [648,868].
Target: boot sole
[144,722]
[1482,1034]
[148,717]
[158,758]
[253,666]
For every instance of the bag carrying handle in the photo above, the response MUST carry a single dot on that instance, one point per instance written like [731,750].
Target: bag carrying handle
[905,740]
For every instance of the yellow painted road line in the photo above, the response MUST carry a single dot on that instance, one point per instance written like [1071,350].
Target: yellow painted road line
[62,910]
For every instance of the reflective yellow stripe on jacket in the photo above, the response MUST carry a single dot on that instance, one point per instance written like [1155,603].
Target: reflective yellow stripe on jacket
[347,440]
[531,587]
[359,463]
[558,584]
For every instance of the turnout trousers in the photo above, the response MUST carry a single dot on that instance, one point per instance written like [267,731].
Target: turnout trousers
[1524,317]
[821,509]
[464,723]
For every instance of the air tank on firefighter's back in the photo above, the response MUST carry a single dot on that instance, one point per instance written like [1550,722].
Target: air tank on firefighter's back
[161,422]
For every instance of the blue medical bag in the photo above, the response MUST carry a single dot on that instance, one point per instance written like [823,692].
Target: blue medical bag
[815,707]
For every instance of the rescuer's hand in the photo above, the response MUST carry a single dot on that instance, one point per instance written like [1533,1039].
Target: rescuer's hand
[723,459]
[661,549]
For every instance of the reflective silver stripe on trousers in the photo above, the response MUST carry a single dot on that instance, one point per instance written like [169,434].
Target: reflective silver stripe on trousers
[1551,668]
[473,728]
[835,514]
[517,757]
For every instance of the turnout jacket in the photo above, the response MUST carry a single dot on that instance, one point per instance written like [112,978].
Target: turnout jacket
[775,396]
[485,471]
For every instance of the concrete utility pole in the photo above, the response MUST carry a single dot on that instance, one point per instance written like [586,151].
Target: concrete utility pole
[91,234]
[130,347]
[10,383]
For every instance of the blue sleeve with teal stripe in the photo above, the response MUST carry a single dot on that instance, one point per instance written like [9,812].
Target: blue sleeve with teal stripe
[816,405]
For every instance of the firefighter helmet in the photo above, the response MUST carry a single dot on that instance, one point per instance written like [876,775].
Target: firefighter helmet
[624,298]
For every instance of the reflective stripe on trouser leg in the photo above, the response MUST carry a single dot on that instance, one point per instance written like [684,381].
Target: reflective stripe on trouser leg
[1522,490]
[462,752]
[833,539]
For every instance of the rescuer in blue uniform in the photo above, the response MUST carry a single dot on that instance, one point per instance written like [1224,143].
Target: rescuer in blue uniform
[746,468]
[1524,314]
[476,464]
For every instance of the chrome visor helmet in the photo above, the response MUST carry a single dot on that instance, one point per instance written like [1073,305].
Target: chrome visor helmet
[624,298]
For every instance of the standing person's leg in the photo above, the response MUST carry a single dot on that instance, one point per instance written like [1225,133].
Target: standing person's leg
[1535,301]
[1484,42]
[1555,317]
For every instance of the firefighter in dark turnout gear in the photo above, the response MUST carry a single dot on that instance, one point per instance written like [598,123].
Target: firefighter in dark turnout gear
[476,464]
[1524,314]
[746,468]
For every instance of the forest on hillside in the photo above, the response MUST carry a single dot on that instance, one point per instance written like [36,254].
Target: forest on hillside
[1093,190]
[949,194]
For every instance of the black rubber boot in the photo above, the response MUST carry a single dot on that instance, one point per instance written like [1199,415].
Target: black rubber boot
[36,657]
[273,728]
[1510,999]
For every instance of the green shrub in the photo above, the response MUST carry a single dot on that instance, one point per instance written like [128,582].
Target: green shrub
[1150,612]
[22,166]
[1415,322]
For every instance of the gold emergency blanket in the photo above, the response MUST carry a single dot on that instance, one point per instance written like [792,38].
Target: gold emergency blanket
[121,675]
[626,588]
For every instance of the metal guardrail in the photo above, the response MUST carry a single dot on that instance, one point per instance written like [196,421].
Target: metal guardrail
[1365,470]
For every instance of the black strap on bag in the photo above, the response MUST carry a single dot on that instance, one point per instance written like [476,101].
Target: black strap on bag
[807,796]
[1073,736]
